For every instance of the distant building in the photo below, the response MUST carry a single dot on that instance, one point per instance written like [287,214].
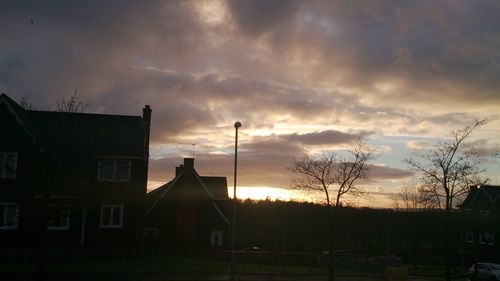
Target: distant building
[72,179]
[188,212]
[481,223]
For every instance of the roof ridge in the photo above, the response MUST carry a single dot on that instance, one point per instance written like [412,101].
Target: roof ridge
[19,114]
[212,198]
[168,187]
[83,114]
[487,194]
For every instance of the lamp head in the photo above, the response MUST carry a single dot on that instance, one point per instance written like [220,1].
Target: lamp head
[237,124]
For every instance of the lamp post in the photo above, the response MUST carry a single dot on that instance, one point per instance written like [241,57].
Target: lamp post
[233,225]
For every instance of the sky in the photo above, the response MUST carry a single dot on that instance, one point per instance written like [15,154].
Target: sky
[303,78]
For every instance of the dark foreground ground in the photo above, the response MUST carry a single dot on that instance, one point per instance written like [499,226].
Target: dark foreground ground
[175,268]
[83,276]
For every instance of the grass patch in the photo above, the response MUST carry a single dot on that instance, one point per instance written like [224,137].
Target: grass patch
[169,264]
[98,267]
[182,265]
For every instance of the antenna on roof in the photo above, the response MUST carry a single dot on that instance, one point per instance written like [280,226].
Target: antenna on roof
[194,149]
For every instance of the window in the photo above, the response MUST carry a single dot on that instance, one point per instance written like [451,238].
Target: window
[486,238]
[111,216]
[216,238]
[9,213]
[8,165]
[467,212]
[114,170]
[484,214]
[59,215]
[469,237]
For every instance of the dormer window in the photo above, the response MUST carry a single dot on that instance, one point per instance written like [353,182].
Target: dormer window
[113,170]
[8,165]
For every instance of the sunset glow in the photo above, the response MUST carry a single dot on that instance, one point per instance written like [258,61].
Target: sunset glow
[303,78]
[262,193]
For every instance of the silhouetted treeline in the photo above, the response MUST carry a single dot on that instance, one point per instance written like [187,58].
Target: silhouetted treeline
[299,226]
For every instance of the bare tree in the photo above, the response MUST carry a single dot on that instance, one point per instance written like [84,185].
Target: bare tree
[415,198]
[63,104]
[25,102]
[450,167]
[447,171]
[73,104]
[335,175]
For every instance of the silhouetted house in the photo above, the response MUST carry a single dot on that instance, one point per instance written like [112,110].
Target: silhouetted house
[188,212]
[72,179]
[481,223]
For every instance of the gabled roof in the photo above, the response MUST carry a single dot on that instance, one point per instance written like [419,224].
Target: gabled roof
[21,116]
[154,197]
[490,192]
[215,188]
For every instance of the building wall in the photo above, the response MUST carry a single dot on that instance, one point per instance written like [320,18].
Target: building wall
[67,177]
[480,219]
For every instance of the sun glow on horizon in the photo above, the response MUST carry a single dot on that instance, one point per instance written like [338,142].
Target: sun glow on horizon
[370,199]
[271,193]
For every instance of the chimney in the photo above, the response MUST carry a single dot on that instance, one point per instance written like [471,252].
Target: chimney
[189,175]
[189,165]
[146,117]
[473,188]
[146,113]
[178,170]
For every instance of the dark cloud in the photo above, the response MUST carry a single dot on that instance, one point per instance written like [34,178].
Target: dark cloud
[190,101]
[378,172]
[450,45]
[330,137]
[383,67]
[263,161]
[255,17]
[89,44]
[456,118]
[485,149]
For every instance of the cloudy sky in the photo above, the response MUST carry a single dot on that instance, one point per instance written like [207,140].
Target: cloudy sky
[303,77]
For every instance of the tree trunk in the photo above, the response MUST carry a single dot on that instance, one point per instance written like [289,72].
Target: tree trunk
[332,216]
[448,244]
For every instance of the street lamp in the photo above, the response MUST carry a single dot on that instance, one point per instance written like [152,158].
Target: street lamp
[233,225]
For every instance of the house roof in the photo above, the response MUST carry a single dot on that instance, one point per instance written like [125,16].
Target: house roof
[20,115]
[69,132]
[490,192]
[63,131]
[215,188]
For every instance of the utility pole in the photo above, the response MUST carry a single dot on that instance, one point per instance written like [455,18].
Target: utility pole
[233,225]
